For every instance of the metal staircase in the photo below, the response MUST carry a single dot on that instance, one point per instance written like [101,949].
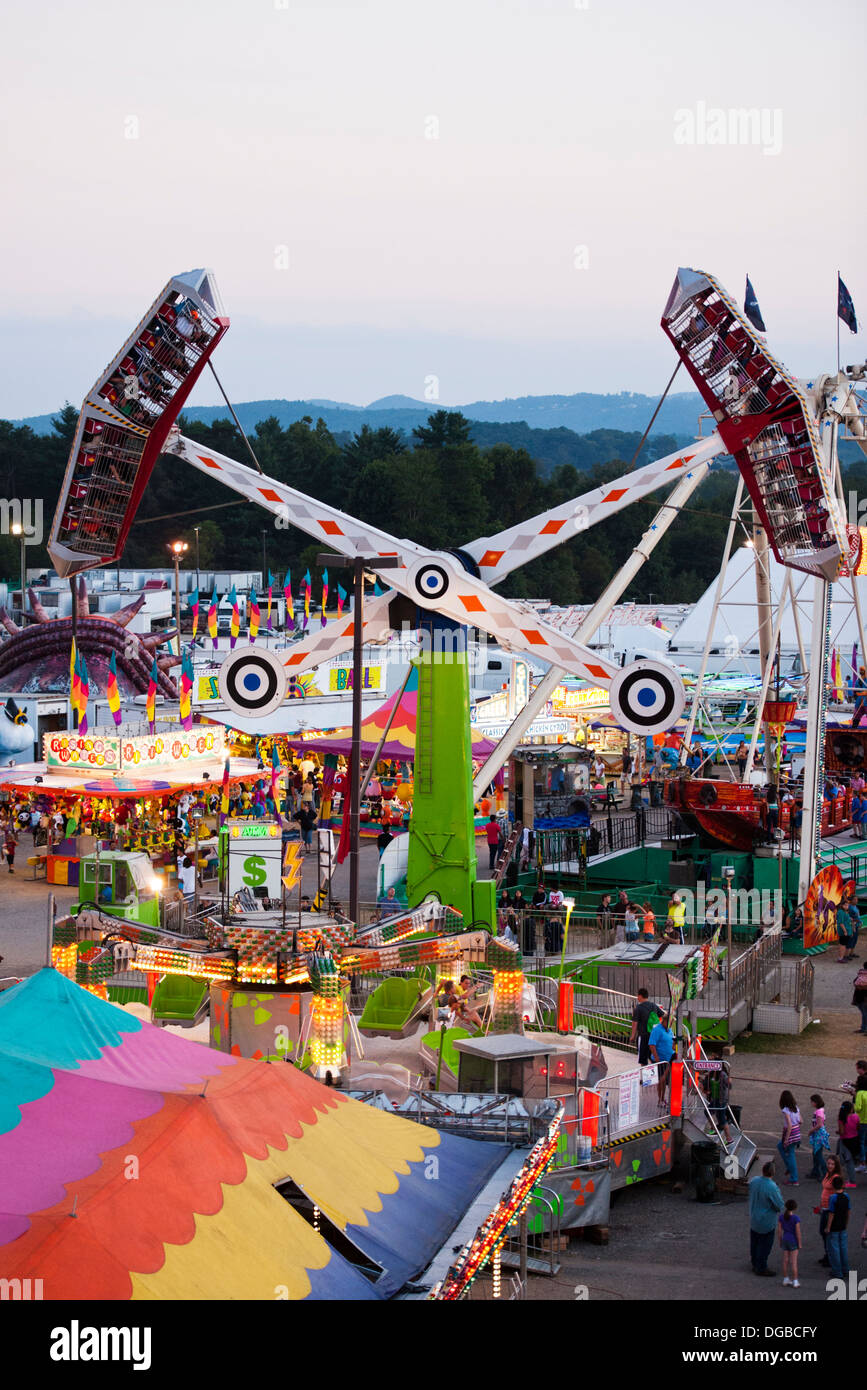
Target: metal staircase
[700,1127]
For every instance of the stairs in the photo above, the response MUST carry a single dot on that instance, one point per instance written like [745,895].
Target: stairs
[742,1149]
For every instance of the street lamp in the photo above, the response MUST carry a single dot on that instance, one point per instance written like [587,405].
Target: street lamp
[177,549]
[196,529]
[728,873]
[18,530]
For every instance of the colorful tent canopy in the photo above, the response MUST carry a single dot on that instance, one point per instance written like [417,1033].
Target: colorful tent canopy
[167,1154]
[400,744]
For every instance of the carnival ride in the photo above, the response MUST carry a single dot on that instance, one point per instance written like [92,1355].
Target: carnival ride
[36,657]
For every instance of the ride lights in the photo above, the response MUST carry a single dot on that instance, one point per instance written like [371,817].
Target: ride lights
[159,961]
[326,1013]
[489,1236]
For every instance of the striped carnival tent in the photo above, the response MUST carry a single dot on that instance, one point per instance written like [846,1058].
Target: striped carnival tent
[400,744]
[135,1164]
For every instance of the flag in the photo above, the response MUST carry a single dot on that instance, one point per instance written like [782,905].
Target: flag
[235,627]
[212,618]
[324,596]
[270,588]
[112,691]
[275,773]
[187,691]
[151,702]
[307,592]
[287,594]
[224,800]
[341,599]
[751,308]
[845,307]
[74,679]
[838,684]
[255,615]
[83,695]
[194,605]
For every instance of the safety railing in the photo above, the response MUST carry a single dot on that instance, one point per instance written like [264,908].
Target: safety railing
[540,1228]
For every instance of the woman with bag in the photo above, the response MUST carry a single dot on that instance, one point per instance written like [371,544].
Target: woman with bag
[791,1137]
[859,997]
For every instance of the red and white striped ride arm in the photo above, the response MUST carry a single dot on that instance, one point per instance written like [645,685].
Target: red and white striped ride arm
[496,556]
[337,637]
[430,578]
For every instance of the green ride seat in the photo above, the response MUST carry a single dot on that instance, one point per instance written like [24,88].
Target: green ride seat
[389,1009]
[178,998]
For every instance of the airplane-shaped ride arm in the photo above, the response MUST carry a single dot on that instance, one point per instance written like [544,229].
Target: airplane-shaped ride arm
[437,581]
[496,556]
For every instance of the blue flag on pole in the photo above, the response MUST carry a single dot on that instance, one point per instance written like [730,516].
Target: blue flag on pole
[845,307]
[751,308]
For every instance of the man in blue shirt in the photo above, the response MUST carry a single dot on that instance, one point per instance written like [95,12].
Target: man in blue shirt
[660,1045]
[766,1203]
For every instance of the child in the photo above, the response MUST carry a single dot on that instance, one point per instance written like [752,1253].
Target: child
[648,921]
[790,1242]
[836,1233]
[820,1139]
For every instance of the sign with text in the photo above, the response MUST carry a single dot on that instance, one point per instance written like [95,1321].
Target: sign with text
[255,856]
[174,749]
[341,678]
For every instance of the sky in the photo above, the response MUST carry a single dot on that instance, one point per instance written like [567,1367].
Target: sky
[468,200]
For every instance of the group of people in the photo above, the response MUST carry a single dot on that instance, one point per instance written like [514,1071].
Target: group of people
[770,1214]
[460,1000]
[630,920]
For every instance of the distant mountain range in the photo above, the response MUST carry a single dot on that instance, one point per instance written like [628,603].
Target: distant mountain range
[581,413]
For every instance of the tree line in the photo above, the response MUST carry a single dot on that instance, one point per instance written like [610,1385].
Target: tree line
[439,486]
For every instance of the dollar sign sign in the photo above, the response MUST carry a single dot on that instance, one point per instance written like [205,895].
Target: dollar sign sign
[255,872]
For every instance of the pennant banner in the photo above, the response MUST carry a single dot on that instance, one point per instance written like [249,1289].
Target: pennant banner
[113,692]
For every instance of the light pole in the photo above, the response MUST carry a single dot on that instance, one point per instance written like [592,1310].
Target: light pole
[196,529]
[196,817]
[358,564]
[728,874]
[177,549]
[264,557]
[18,530]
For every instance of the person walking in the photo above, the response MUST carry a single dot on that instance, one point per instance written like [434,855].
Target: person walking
[819,1139]
[791,1136]
[860,1105]
[766,1203]
[640,1031]
[838,1220]
[834,1170]
[741,754]
[492,835]
[859,997]
[790,1242]
[847,1143]
[9,845]
[661,1048]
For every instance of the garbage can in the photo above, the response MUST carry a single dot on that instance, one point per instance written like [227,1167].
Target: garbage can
[655,793]
[705,1159]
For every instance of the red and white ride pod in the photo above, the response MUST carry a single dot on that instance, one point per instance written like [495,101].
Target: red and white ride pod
[765,420]
[125,420]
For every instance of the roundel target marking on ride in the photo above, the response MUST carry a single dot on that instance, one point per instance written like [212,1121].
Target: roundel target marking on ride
[430,580]
[252,682]
[646,697]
